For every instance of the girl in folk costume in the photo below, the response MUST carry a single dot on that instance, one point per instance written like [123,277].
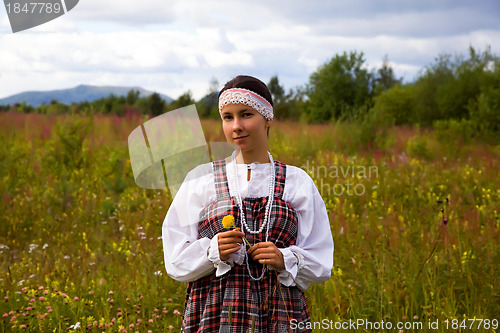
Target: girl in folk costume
[248,275]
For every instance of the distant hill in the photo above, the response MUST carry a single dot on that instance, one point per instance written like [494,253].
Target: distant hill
[78,94]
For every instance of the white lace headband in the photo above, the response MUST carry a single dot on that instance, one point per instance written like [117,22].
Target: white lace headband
[246,97]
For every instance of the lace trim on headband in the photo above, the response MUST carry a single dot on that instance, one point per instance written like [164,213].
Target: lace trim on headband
[246,97]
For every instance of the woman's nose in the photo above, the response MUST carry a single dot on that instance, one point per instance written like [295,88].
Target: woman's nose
[237,125]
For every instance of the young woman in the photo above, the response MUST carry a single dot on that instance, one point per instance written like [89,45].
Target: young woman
[235,286]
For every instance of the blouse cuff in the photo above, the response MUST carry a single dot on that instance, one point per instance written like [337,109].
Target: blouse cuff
[293,263]
[222,267]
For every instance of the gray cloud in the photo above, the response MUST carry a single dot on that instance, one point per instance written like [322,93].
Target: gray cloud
[174,46]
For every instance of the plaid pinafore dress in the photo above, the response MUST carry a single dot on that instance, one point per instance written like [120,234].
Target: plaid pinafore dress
[234,302]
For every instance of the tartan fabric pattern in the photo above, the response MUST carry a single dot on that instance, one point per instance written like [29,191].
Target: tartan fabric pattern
[234,302]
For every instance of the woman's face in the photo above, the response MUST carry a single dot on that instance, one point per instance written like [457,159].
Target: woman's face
[244,127]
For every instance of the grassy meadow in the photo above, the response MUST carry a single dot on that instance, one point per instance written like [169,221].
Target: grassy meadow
[414,216]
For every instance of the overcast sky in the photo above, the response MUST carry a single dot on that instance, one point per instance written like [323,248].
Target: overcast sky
[173,46]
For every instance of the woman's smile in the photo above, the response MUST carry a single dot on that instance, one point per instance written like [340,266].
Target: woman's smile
[240,138]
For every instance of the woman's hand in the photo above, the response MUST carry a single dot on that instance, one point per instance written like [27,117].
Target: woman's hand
[268,254]
[229,242]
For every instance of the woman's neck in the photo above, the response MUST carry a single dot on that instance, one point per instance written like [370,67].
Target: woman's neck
[247,157]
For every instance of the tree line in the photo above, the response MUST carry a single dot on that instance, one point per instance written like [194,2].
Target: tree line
[461,90]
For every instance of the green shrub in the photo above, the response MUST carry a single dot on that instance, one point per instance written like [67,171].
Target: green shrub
[419,146]
[453,131]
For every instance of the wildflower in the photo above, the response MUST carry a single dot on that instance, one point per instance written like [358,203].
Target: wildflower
[75,326]
[75,298]
[228,222]
[176,312]
[40,288]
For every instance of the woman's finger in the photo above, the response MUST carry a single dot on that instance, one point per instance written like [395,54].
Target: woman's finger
[267,254]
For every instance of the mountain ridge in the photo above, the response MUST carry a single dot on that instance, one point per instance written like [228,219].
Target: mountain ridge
[78,94]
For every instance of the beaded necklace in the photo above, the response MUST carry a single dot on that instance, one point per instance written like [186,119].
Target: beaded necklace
[267,215]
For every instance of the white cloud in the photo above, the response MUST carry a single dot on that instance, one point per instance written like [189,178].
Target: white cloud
[125,12]
[174,46]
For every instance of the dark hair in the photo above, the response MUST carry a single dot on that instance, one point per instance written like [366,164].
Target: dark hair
[250,83]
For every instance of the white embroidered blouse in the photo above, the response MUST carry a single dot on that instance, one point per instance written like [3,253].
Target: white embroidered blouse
[188,258]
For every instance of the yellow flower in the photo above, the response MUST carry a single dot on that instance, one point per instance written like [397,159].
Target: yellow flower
[228,221]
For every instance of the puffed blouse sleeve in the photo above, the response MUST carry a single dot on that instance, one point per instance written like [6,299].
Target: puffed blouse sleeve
[186,256]
[311,258]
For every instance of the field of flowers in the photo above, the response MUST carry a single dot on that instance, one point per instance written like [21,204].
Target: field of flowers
[414,214]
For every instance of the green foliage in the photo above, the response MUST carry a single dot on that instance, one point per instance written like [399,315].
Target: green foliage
[54,108]
[459,97]
[23,107]
[396,105]
[208,106]
[156,104]
[484,112]
[447,87]
[132,97]
[454,131]
[338,87]
[80,241]
[420,147]
[67,150]
[286,106]
[276,90]
[385,78]
[183,100]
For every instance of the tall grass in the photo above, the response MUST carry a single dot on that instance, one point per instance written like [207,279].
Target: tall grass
[80,242]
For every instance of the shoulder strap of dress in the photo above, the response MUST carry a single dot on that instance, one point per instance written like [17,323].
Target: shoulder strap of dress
[220,179]
[279,186]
